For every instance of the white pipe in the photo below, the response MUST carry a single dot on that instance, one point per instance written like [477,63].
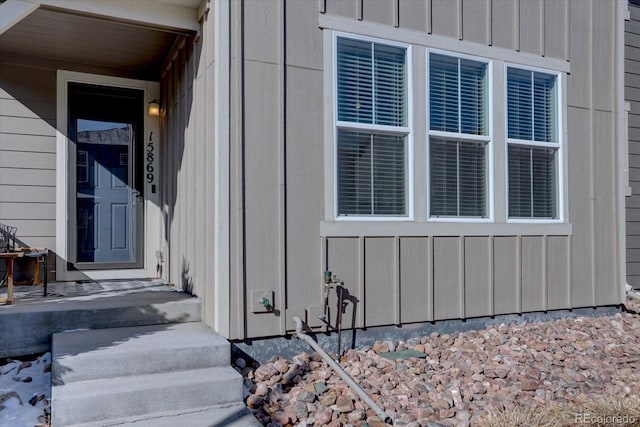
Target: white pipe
[631,292]
[338,369]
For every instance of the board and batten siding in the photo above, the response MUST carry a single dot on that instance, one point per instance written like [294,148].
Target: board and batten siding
[187,159]
[28,153]
[282,242]
[632,96]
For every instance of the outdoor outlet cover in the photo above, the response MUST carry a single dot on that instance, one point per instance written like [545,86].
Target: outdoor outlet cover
[262,301]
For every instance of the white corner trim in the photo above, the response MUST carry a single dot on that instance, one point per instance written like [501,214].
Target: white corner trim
[622,146]
[221,216]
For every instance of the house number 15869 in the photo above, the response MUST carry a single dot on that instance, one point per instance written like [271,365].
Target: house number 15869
[150,156]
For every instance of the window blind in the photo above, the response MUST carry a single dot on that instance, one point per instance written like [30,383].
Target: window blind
[390,81]
[532,182]
[458,183]
[458,104]
[532,118]
[371,173]
[371,83]
[457,95]
[371,165]
[355,82]
[531,109]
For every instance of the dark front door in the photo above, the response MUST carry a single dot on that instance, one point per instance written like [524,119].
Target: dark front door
[105,127]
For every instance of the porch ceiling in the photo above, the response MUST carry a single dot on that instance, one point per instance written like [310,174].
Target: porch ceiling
[131,48]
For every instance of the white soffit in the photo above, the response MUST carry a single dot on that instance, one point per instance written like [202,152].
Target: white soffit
[176,15]
[13,11]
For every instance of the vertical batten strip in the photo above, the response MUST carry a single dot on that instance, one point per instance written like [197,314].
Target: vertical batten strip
[396,13]
[397,278]
[569,272]
[519,272]
[490,243]
[360,11]
[592,154]
[430,272]
[429,16]
[516,23]
[567,31]
[322,6]
[545,269]
[361,282]
[489,22]
[542,27]
[460,20]
[461,284]
[282,195]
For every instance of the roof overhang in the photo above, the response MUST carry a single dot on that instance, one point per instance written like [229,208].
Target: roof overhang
[130,37]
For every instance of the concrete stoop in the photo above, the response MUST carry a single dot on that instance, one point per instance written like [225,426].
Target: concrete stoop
[47,316]
[171,374]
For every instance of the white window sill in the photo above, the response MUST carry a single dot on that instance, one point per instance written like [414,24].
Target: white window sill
[441,228]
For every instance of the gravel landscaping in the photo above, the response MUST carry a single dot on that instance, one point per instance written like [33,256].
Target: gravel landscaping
[573,371]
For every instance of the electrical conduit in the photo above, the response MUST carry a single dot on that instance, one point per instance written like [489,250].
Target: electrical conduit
[338,369]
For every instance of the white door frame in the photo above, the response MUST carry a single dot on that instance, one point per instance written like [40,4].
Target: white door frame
[152,211]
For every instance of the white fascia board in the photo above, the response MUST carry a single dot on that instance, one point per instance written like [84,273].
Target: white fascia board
[146,12]
[13,11]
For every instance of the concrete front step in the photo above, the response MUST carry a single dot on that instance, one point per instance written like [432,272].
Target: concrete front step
[121,375]
[112,398]
[108,353]
[236,415]
[90,312]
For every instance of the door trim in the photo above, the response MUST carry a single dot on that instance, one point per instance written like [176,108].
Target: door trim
[153,219]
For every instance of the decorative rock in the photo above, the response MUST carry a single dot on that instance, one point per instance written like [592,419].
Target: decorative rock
[323,418]
[240,363]
[320,387]
[262,389]
[254,401]
[466,374]
[280,418]
[301,410]
[356,415]
[328,399]
[281,366]
[529,384]
[344,404]
[306,397]
[265,372]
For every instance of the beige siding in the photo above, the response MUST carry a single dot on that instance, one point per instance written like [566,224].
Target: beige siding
[277,173]
[416,290]
[533,273]
[506,275]
[448,296]
[632,95]
[27,153]
[381,293]
[187,160]
[558,273]
[478,286]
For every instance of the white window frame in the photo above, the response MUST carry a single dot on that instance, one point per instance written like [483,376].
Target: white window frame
[487,139]
[394,130]
[558,146]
